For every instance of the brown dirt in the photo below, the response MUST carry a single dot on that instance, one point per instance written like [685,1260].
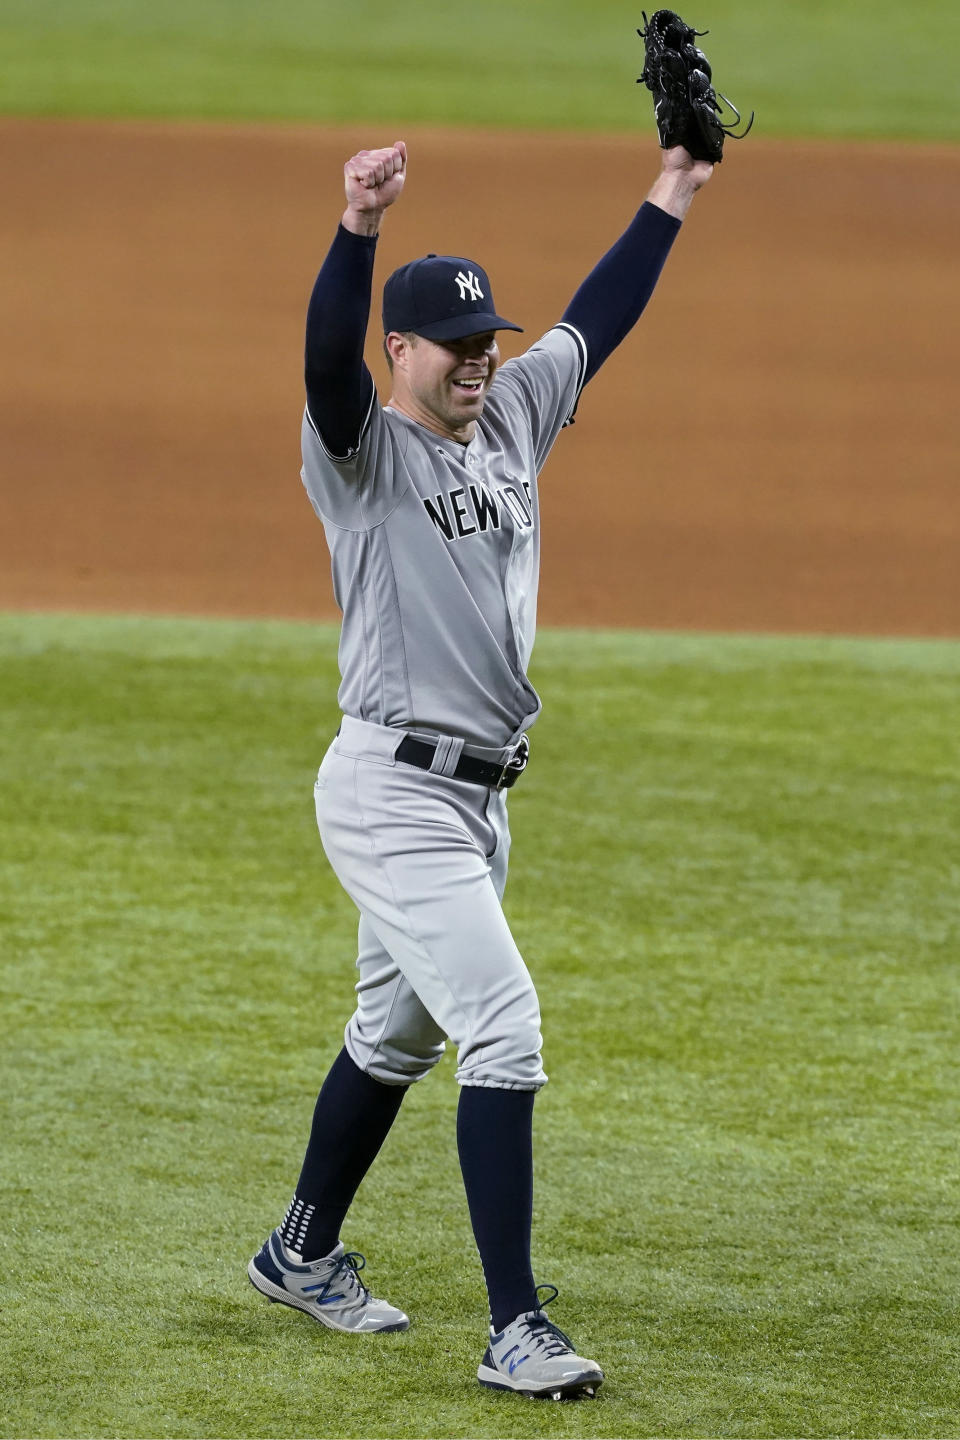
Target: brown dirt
[773,449]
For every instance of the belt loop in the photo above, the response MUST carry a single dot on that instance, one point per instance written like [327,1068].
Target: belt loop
[447,755]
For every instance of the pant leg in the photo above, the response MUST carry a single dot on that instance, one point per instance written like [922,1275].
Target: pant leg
[391,1036]
[419,854]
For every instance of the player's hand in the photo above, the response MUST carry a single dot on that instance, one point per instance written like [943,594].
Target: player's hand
[679,180]
[679,162]
[373,179]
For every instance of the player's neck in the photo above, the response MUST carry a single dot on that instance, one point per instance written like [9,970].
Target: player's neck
[408,406]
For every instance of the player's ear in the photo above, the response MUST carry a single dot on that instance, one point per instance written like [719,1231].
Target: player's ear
[398,346]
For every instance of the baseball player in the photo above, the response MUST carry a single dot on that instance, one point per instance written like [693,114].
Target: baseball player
[431,510]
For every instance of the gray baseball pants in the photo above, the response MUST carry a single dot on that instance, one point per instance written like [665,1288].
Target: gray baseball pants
[424,859]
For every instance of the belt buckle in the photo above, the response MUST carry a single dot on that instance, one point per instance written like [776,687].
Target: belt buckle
[515,767]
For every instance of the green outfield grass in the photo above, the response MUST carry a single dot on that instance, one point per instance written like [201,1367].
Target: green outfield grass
[809,67]
[735,877]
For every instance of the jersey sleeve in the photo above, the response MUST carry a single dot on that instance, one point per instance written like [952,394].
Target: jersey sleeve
[358,490]
[614,295]
[546,382]
[340,388]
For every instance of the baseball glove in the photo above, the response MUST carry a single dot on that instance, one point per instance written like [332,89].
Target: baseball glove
[687,107]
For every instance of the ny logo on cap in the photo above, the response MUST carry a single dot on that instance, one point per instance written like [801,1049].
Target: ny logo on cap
[469,285]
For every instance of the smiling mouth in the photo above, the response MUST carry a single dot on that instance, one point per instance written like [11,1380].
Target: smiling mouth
[471,387]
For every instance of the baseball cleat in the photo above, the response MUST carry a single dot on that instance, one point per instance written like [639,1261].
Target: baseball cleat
[330,1289]
[533,1358]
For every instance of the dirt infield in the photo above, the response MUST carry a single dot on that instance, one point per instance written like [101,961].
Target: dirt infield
[774,449]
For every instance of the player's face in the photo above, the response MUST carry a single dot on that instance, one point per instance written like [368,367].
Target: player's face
[449,381]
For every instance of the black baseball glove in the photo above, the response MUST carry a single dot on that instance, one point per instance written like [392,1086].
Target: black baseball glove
[687,107]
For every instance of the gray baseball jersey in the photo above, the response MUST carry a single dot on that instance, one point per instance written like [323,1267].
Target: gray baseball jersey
[435,550]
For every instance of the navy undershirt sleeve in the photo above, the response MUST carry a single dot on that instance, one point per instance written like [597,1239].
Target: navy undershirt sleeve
[339,385]
[612,298]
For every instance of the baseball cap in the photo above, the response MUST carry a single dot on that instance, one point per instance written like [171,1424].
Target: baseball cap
[441,297]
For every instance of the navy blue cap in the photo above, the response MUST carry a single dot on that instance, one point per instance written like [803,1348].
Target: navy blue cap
[441,297]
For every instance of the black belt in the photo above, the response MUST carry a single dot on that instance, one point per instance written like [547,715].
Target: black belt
[478,772]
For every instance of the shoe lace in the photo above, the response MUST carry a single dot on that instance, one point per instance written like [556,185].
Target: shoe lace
[546,1337]
[347,1269]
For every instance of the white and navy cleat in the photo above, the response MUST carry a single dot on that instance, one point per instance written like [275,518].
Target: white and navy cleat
[532,1357]
[329,1289]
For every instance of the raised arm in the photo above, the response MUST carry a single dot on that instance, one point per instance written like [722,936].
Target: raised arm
[339,385]
[612,298]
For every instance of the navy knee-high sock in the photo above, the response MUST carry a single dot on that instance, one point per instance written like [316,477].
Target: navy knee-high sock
[495,1142]
[351,1119]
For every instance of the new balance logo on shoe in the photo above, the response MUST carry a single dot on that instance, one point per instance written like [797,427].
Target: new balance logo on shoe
[512,1365]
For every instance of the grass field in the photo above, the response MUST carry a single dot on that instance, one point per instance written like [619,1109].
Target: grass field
[735,876]
[808,67]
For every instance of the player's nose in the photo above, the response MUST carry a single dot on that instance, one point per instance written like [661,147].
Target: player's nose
[477,348]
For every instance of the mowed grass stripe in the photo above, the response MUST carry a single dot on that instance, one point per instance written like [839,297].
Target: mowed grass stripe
[735,878]
[806,67]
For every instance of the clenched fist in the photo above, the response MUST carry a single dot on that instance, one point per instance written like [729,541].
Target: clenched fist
[372,180]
